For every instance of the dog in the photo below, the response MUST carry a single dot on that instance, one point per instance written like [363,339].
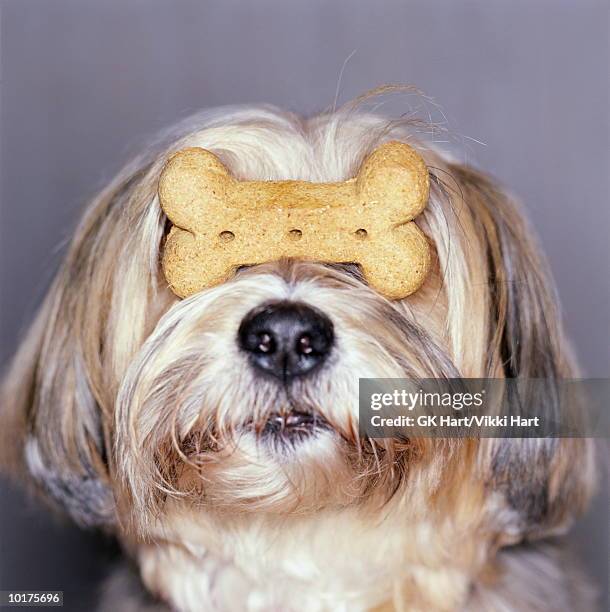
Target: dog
[233,485]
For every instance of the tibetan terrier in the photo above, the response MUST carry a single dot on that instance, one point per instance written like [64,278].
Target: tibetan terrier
[217,436]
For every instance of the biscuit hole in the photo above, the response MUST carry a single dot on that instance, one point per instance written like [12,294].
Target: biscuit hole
[295,234]
[361,234]
[226,236]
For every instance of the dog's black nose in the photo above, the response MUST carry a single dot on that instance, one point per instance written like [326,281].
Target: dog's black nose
[286,339]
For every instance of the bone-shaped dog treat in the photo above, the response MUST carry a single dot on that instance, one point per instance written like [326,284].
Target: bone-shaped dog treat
[221,223]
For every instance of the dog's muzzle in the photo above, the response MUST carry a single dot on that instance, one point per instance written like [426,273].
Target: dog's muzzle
[286,339]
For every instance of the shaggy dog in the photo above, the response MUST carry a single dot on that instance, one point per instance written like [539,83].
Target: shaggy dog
[149,417]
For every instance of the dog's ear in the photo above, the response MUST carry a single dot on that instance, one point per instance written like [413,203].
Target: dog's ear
[51,434]
[543,483]
[57,398]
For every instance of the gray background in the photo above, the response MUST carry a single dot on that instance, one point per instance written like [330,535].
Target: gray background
[85,83]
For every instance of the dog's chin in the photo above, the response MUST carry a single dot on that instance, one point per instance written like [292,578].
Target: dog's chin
[290,461]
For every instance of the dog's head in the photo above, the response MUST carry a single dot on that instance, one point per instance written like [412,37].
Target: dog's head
[124,399]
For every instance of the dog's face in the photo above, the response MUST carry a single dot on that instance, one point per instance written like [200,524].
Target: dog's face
[244,397]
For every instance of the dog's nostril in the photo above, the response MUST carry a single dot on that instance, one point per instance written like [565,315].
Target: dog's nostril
[266,343]
[286,339]
[304,345]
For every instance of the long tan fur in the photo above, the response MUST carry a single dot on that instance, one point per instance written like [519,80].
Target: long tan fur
[135,411]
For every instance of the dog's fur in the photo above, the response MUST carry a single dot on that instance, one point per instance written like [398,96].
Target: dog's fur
[137,413]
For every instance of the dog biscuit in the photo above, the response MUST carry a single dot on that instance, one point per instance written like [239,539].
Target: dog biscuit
[221,223]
